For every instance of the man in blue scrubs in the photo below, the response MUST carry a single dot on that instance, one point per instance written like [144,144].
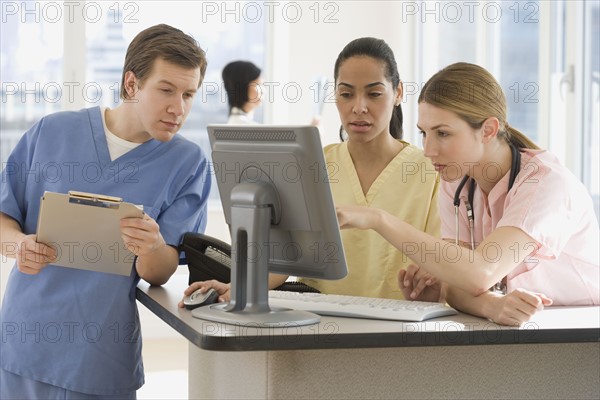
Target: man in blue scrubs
[71,333]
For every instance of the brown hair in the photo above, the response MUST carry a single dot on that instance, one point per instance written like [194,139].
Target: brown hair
[472,93]
[381,51]
[165,42]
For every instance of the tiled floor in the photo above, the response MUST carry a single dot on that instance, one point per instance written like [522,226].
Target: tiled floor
[166,367]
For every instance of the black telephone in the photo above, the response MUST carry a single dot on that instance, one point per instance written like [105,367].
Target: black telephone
[210,258]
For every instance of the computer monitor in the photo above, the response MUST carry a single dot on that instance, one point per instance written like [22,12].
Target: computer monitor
[277,201]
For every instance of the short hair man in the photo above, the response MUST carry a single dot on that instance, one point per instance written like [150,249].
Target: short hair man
[72,333]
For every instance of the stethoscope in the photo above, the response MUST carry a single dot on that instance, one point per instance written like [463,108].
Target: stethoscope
[514,171]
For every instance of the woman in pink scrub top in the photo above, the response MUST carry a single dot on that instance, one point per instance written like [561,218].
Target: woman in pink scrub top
[518,229]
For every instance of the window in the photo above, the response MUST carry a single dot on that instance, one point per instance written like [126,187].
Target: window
[572,97]
[32,57]
[544,53]
[226,35]
[31,53]
[515,58]
[494,35]
[546,57]
[591,100]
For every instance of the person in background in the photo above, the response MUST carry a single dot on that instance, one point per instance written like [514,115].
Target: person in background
[518,229]
[374,168]
[74,333]
[242,82]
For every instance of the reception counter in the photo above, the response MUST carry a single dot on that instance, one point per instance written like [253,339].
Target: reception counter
[556,355]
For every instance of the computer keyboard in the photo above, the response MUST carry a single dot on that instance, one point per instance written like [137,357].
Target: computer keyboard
[360,307]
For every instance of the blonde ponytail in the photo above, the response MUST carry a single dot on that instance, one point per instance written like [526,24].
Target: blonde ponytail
[518,139]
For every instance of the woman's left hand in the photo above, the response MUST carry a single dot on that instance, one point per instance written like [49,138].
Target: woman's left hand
[417,284]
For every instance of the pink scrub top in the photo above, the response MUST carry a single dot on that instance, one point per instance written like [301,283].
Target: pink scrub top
[552,206]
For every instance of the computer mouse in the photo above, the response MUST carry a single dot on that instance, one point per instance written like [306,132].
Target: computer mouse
[198,299]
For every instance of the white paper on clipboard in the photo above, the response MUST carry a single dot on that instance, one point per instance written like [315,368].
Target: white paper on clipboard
[84,229]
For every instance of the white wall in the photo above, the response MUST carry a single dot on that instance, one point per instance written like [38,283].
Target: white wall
[306,49]
[300,51]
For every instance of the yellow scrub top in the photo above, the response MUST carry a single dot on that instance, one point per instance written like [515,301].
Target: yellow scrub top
[406,188]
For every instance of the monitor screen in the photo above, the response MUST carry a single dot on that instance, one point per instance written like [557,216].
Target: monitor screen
[277,201]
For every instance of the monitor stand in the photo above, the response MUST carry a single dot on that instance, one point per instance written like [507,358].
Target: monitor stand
[255,207]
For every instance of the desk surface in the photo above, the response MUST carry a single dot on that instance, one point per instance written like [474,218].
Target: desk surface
[553,325]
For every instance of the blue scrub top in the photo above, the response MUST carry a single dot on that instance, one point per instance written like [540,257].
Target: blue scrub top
[80,329]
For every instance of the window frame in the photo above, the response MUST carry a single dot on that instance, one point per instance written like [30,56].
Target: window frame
[572,149]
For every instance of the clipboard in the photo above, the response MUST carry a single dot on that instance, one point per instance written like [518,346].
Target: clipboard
[84,229]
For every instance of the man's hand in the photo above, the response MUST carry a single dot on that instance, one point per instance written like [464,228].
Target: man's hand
[32,256]
[224,290]
[141,235]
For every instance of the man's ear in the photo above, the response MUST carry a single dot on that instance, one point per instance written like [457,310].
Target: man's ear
[490,129]
[131,84]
